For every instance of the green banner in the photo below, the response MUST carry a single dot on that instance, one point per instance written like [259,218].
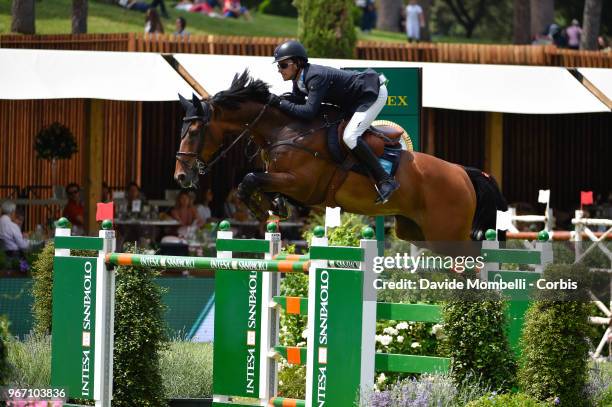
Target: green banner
[236,355]
[337,350]
[73,329]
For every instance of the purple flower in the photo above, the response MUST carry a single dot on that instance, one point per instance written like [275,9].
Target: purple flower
[23,265]
[557,401]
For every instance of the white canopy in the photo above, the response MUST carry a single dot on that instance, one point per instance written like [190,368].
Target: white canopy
[49,74]
[601,78]
[491,88]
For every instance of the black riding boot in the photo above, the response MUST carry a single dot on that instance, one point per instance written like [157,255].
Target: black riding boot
[385,184]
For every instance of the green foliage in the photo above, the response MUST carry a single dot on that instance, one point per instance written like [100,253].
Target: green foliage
[493,25]
[476,340]
[186,369]
[42,289]
[554,347]
[55,142]
[4,338]
[140,336]
[30,362]
[292,381]
[506,400]
[326,28]
[278,8]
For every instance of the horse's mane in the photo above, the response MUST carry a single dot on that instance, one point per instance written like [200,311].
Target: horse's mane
[244,88]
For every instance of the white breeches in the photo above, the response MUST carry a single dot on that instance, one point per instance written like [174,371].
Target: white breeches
[362,120]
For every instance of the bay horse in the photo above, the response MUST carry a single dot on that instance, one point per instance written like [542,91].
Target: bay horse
[436,201]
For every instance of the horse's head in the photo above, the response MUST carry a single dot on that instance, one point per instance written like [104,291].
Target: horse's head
[195,148]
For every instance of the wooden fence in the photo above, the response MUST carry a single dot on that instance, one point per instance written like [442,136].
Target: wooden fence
[547,55]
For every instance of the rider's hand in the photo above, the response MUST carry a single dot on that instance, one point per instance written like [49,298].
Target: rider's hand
[274,100]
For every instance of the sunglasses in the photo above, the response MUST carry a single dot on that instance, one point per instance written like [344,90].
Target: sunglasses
[284,65]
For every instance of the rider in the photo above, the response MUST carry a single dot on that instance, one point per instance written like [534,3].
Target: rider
[360,95]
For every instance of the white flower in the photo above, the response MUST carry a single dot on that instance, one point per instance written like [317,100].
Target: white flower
[390,331]
[385,340]
[415,345]
[305,333]
[381,378]
[402,325]
[400,338]
[436,328]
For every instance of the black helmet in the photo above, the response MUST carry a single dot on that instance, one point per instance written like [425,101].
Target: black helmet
[290,49]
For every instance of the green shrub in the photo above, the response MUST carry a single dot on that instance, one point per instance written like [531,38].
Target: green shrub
[140,336]
[326,28]
[186,369]
[30,362]
[292,381]
[42,289]
[476,341]
[506,400]
[554,345]
[278,8]
[4,338]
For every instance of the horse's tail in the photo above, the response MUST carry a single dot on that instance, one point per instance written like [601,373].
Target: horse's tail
[489,200]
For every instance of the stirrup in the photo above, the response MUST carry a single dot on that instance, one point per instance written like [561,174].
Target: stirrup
[382,199]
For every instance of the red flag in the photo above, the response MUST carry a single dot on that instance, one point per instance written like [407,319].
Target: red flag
[105,211]
[586,197]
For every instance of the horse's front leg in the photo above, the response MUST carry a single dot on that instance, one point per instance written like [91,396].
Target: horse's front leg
[251,192]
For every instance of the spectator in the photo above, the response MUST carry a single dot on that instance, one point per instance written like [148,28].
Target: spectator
[74,210]
[574,32]
[603,44]
[204,208]
[368,18]
[11,239]
[181,24]
[138,5]
[153,24]
[415,20]
[185,212]
[133,197]
[233,9]
[183,5]
[234,208]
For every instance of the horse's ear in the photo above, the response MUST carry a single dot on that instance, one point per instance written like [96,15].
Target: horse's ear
[185,103]
[197,103]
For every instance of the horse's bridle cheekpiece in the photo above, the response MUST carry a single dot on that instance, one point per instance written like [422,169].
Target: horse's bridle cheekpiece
[196,110]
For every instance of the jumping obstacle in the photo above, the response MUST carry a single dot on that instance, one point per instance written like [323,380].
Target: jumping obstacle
[341,306]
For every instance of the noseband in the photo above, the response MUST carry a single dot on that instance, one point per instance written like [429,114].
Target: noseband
[198,165]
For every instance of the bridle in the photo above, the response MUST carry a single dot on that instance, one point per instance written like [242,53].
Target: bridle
[198,165]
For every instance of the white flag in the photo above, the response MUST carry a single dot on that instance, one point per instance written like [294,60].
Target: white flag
[504,221]
[332,217]
[544,196]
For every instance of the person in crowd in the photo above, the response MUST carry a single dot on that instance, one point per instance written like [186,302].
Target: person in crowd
[368,16]
[204,208]
[134,197]
[233,9]
[181,25]
[574,32]
[183,5]
[415,20]
[11,239]
[74,210]
[153,24]
[185,212]
[234,208]
[139,5]
[603,44]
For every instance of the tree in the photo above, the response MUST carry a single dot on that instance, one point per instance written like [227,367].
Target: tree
[389,15]
[591,21]
[521,22]
[23,17]
[542,15]
[326,28]
[79,16]
[468,13]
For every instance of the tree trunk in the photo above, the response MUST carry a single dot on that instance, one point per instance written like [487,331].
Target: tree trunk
[426,31]
[23,17]
[79,16]
[522,22]
[542,16]
[389,15]
[590,25]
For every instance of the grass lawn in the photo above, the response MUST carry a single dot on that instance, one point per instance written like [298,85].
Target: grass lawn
[54,17]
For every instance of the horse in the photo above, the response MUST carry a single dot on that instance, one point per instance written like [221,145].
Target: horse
[437,201]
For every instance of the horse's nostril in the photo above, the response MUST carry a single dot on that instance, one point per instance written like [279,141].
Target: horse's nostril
[180,177]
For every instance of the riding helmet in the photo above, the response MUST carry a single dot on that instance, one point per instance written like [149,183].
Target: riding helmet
[290,49]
